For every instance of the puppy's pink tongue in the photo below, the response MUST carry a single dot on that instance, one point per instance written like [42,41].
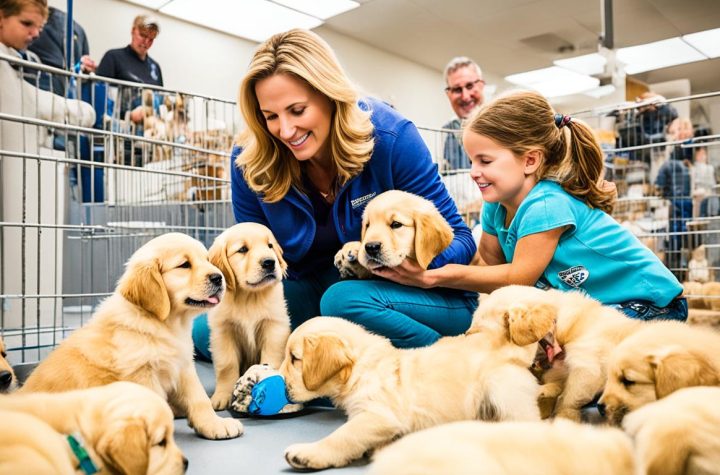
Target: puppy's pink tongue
[213,299]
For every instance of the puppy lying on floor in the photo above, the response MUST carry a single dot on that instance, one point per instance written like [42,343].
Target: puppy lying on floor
[396,225]
[576,327]
[8,381]
[656,361]
[142,333]
[388,392]
[509,448]
[124,428]
[678,435]
[251,325]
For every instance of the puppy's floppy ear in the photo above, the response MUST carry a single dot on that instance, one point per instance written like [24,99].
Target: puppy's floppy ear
[125,447]
[529,324]
[432,235]
[217,255]
[324,357]
[142,285]
[279,253]
[676,368]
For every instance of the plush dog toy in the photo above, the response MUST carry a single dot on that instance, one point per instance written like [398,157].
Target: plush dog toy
[261,392]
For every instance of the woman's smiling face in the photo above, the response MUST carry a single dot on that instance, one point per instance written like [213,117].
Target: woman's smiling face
[297,115]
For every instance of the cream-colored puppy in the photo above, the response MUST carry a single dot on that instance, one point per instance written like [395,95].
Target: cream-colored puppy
[125,428]
[251,325]
[569,324]
[396,225]
[388,392]
[509,448]
[8,380]
[656,361]
[142,333]
[678,435]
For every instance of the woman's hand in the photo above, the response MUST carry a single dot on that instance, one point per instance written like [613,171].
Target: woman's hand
[408,272]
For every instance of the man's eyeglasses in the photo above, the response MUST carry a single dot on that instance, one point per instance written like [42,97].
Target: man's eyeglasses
[457,90]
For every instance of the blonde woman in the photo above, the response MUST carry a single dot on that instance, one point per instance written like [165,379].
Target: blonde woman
[314,153]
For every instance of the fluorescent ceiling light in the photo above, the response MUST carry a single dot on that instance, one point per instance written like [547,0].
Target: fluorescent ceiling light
[708,42]
[322,9]
[554,81]
[601,91]
[152,4]
[657,55]
[589,64]
[255,20]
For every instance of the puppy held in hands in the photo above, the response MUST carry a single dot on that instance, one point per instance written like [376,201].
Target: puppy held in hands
[655,362]
[678,435]
[251,325]
[389,392]
[8,380]
[396,225]
[576,332]
[143,333]
[123,427]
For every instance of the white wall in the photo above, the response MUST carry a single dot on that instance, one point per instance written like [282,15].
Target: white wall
[203,61]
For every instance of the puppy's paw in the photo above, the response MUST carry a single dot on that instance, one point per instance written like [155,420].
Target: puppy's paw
[569,413]
[550,391]
[221,400]
[312,457]
[346,261]
[217,428]
[529,324]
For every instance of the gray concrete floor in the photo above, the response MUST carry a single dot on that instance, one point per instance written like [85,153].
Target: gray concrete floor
[260,450]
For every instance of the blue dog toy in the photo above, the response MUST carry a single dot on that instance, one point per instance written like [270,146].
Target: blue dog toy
[261,392]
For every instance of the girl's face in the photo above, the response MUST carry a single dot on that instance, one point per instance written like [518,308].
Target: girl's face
[499,174]
[18,31]
[297,115]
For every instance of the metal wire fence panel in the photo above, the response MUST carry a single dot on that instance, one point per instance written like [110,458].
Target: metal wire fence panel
[87,178]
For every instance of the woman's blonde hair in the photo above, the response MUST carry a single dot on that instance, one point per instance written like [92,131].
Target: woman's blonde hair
[268,166]
[524,120]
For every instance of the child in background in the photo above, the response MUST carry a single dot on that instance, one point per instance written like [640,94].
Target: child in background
[545,220]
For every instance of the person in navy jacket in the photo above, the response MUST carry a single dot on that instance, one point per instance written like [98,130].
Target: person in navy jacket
[313,155]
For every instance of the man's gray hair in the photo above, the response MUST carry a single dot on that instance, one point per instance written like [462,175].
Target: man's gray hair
[461,62]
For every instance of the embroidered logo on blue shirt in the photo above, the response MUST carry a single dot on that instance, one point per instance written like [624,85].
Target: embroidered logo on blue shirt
[574,276]
[154,71]
[357,202]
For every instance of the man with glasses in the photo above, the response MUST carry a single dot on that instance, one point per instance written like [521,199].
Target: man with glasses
[465,93]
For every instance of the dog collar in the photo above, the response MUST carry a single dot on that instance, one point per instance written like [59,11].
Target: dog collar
[84,461]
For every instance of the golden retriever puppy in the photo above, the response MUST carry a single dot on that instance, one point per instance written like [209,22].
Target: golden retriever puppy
[389,392]
[576,331]
[509,448]
[678,435]
[31,447]
[125,428]
[656,361]
[251,325]
[396,225]
[142,333]
[346,261]
[8,380]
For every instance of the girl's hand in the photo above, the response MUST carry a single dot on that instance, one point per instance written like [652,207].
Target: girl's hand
[408,272]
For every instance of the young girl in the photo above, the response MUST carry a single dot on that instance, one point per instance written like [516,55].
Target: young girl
[545,218]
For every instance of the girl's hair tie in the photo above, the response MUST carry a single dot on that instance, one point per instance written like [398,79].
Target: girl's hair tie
[562,120]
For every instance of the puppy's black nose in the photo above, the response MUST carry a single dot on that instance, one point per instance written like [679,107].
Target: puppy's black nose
[268,264]
[216,279]
[372,248]
[601,409]
[5,380]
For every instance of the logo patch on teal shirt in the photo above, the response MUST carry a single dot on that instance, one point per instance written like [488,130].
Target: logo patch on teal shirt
[574,276]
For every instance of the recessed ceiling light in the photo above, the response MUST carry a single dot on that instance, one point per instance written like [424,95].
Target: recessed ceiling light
[601,91]
[708,42]
[554,81]
[322,9]
[657,55]
[590,64]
